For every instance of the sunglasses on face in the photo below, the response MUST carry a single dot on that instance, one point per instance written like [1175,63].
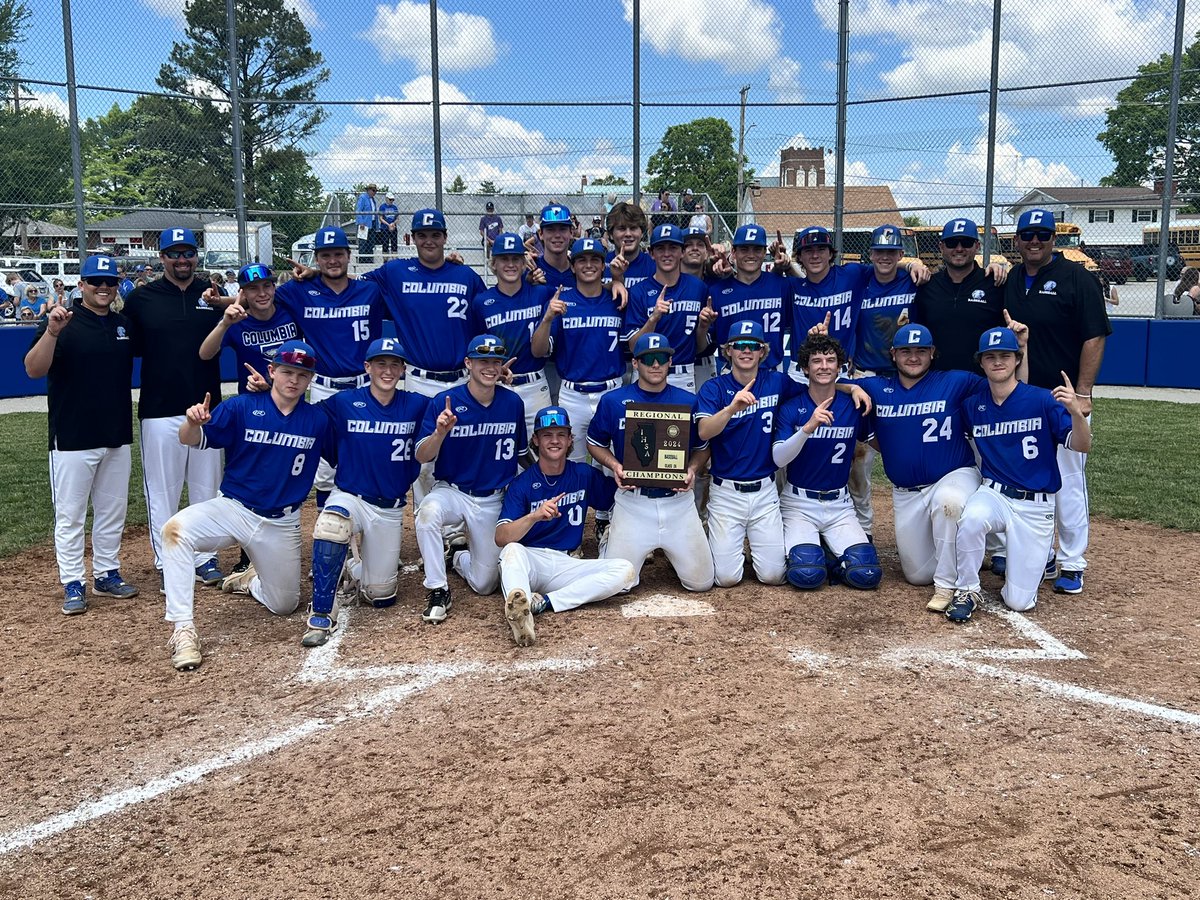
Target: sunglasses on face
[654,359]
[551,420]
[746,345]
[101,282]
[297,358]
[176,254]
[490,350]
[956,243]
[1039,234]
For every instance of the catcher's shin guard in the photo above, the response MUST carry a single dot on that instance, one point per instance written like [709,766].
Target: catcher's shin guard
[331,541]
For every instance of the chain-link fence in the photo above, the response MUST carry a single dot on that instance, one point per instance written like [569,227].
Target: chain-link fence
[849,114]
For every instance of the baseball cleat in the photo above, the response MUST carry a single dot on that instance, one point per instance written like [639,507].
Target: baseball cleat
[1069,583]
[74,603]
[437,606]
[999,565]
[1051,570]
[239,582]
[208,574]
[111,584]
[185,648]
[539,604]
[942,598]
[520,619]
[963,604]
[320,629]
[456,545]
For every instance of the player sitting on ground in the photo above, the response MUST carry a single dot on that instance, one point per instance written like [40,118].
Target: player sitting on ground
[375,428]
[541,522]
[1017,429]
[273,441]
[476,433]
[815,438]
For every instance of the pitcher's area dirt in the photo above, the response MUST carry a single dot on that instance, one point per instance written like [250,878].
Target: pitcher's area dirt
[829,744]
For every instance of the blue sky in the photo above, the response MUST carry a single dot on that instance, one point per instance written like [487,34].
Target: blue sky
[931,152]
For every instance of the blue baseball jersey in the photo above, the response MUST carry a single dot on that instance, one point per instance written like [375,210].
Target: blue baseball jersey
[767,300]
[481,451]
[374,444]
[878,310]
[742,451]
[641,268]
[679,325]
[920,430]
[255,342]
[339,327]
[429,307]
[583,485]
[587,337]
[270,459]
[607,428]
[836,293]
[824,461]
[556,278]
[513,318]
[1018,441]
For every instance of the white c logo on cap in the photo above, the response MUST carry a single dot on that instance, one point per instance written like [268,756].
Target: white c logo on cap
[327,237]
[177,235]
[752,234]
[103,263]
[654,342]
[994,338]
[914,337]
[1035,217]
[427,219]
[960,225]
[388,344]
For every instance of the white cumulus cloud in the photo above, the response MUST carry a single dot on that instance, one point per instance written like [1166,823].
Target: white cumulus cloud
[465,41]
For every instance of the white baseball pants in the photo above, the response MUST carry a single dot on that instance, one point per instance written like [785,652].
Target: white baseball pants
[807,521]
[927,527]
[535,395]
[1071,510]
[566,581]
[643,524]
[480,564]
[426,387]
[1029,528]
[734,516]
[379,550]
[581,408]
[166,465]
[75,476]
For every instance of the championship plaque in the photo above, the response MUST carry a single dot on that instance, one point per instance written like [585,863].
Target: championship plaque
[657,443]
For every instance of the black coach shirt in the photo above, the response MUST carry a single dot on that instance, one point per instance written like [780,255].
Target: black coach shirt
[169,325]
[88,384]
[1063,308]
[957,314]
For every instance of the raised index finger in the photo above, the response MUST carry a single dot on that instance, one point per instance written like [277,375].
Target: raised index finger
[1067,381]
[447,404]
[207,400]
[825,404]
[750,384]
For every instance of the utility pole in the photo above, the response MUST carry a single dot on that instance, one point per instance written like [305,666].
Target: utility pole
[741,158]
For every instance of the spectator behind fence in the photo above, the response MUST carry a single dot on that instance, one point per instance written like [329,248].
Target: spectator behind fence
[389,214]
[33,303]
[490,226]
[366,218]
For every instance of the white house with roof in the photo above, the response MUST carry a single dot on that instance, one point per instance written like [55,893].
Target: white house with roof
[1105,215]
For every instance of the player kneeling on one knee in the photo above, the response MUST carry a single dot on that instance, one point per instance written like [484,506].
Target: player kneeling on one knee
[370,423]
[273,442]
[541,522]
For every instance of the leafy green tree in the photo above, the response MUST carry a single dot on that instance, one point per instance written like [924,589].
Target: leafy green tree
[913,221]
[286,183]
[458,186]
[1136,128]
[488,187]
[700,155]
[610,180]
[14,18]
[35,162]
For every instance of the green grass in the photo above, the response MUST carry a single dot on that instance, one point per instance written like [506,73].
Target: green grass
[1141,467]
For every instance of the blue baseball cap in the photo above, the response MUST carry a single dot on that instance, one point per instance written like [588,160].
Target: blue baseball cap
[487,346]
[183,237]
[584,246]
[960,228]
[1036,218]
[551,417]
[652,343]
[666,234]
[814,236]
[998,339]
[330,238]
[428,220]
[912,336]
[98,267]
[886,237]
[556,214]
[384,347]
[255,272]
[750,236]
[695,231]
[296,354]
[747,330]
[508,244]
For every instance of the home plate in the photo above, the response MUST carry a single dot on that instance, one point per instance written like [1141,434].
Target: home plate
[666,606]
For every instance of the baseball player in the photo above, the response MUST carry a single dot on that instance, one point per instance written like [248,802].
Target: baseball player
[253,325]
[476,433]
[696,261]
[1018,429]
[555,233]
[815,438]
[1064,308]
[541,522]
[582,327]
[736,415]
[272,442]
[86,354]
[170,317]
[512,310]
[375,429]
[649,519]
[920,430]
[626,223]
[669,304]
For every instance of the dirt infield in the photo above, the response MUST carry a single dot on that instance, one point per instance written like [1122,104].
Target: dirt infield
[754,742]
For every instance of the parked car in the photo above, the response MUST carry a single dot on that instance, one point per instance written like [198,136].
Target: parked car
[1116,263]
[1145,265]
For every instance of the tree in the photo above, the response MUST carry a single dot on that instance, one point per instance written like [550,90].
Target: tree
[488,187]
[1136,128]
[279,73]
[700,155]
[14,18]
[912,221]
[458,187]
[609,181]
[35,162]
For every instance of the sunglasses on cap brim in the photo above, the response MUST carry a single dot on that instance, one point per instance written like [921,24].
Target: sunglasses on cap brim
[256,273]
[551,420]
[489,350]
[296,358]
[555,216]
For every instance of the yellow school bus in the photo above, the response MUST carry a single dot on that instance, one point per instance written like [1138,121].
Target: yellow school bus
[1185,235]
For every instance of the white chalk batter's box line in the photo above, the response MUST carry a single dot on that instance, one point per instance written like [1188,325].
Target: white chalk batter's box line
[321,666]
